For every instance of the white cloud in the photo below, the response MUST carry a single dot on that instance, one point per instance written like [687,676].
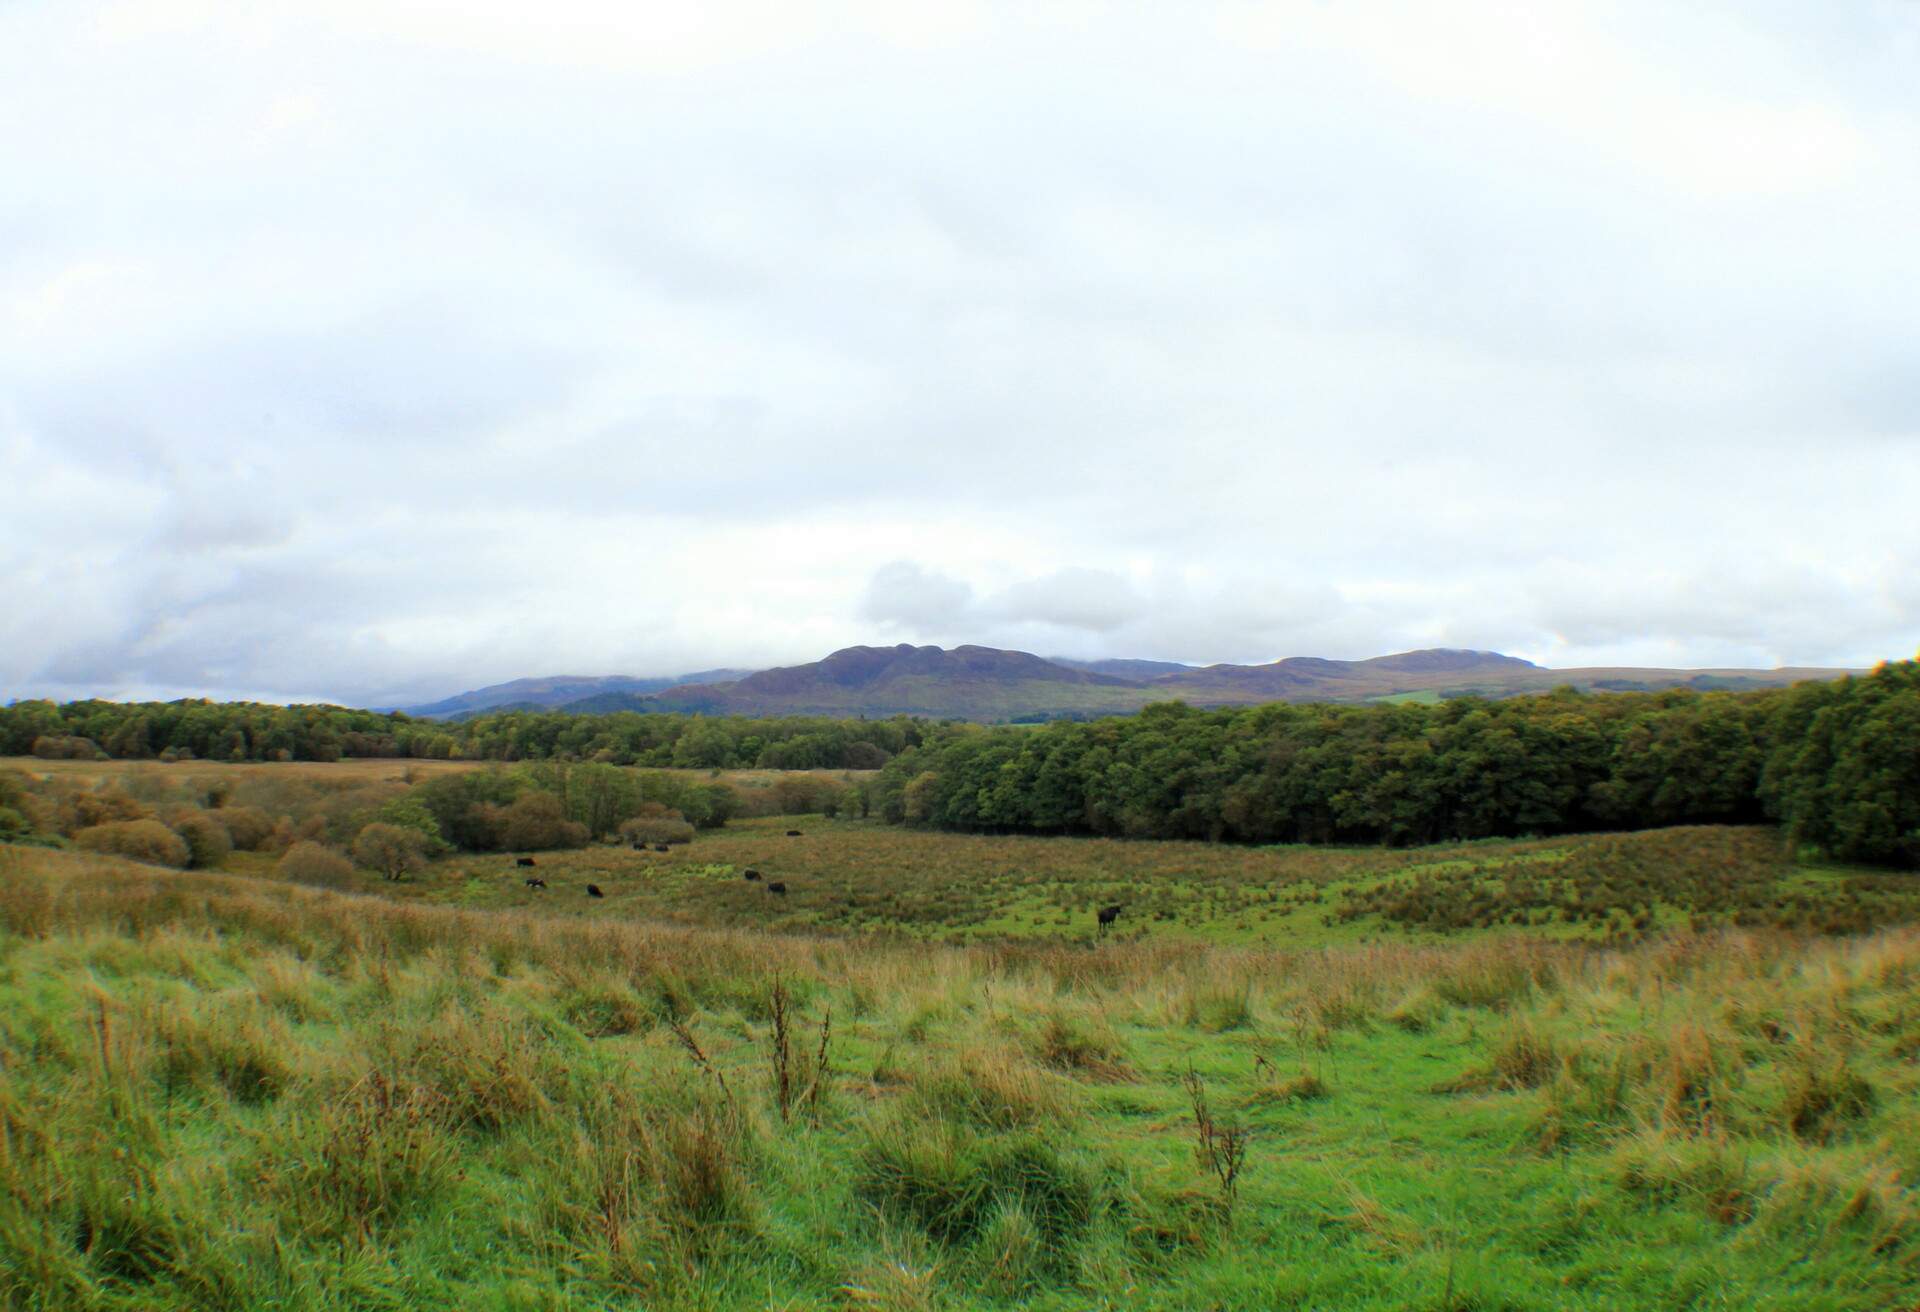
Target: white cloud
[367,350]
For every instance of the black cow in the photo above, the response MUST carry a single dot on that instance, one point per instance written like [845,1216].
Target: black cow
[776,887]
[533,882]
[753,874]
[661,847]
[793,833]
[1108,915]
[524,861]
[593,890]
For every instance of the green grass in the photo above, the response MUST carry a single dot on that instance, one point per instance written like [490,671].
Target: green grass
[861,877]
[219,1091]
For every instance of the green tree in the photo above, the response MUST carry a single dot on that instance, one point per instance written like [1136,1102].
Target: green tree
[396,851]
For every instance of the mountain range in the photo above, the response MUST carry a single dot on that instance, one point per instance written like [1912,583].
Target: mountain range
[557,690]
[990,684]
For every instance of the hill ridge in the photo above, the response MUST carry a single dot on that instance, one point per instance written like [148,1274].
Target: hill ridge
[994,684]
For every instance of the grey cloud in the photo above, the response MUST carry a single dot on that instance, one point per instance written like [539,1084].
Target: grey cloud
[1091,599]
[341,351]
[904,595]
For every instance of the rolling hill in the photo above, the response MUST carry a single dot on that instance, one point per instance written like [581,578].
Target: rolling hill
[976,683]
[556,690]
[984,683]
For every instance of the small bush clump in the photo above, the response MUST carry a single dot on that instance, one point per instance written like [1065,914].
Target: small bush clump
[313,863]
[669,827]
[250,828]
[208,842]
[137,840]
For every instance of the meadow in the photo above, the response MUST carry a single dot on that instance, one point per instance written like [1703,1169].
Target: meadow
[1670,1069]
[853,876]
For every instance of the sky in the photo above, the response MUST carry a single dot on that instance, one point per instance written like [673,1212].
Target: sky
[370,350]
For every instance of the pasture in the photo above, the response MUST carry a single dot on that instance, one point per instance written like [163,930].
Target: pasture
[219,1091]
[851,876]
[1645,1070]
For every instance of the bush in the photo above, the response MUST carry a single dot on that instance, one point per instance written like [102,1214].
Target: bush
[13,825]
[409,812]
[250,828]
[536,822]
[60,747]
[137,840]
[396,851]
[669,827]
[84,810]
[208,842]
[313,863]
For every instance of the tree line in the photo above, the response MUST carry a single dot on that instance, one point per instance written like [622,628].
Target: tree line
[1837,763]
[248,731]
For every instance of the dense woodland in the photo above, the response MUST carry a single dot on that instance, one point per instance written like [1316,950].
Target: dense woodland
[252,731]
[1837,763]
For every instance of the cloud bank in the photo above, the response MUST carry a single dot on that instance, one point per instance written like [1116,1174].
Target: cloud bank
[370,351]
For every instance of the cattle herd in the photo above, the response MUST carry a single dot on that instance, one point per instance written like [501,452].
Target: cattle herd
[593,890]
[1104,917]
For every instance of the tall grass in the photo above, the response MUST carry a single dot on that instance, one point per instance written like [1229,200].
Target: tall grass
[225,1092]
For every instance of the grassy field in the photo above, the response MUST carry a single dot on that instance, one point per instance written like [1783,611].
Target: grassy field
[1587,1072]
[859,876]
[226,1092]
[856,876]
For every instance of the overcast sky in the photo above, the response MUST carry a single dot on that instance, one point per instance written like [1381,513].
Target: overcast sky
[369,350]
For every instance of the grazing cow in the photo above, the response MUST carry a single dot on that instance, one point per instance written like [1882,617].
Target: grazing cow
[661,847]
[593,890]
[524,861]
[535,882]
[793,833]
[753,874]
[776,887]
[1109,914]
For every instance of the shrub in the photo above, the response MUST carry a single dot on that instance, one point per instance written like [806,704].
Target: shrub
[313,863]
[409,812]
[250,828]
[536,821]
[61,747]
[396,851]
[208,842]
[137,840]
[83,810]
[669,827]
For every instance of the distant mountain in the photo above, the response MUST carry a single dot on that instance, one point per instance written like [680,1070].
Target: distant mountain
[975,683]
[1311,678]
[1445,671]
[556,690]
[988,684]
[1139,671]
